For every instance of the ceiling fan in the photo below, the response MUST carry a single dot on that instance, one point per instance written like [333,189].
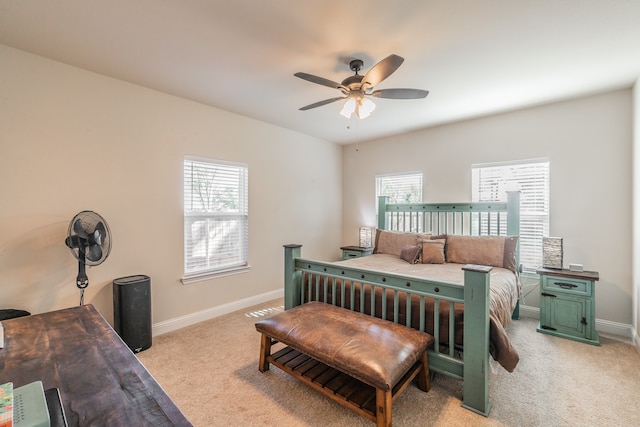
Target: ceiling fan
[357,88]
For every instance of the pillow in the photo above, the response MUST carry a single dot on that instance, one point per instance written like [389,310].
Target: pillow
[433,251]
[392,242]
[482,250]
[510,248]
[411,254]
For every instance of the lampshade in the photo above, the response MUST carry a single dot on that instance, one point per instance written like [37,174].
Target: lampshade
[365,237]
[348,108]
[366,106]
[552,252]
[360,105]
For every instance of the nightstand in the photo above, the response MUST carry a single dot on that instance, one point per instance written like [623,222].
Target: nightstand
[567,304]
[349,252]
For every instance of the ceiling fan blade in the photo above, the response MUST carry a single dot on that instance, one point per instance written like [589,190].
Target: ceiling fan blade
[400,93]
[382,70]
[321,103]
[319,80]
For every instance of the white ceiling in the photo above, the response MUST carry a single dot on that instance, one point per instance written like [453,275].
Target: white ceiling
[475,57]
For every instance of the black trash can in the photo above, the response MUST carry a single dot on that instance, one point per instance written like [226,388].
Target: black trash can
[132,311]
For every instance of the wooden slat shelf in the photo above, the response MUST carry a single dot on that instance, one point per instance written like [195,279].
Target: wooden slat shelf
[342,388]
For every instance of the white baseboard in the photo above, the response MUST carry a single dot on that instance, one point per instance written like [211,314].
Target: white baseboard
[211,313]
[528,311]
[603,326]
[636,339]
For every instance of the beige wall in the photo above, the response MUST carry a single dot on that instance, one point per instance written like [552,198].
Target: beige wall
[72,140]
[589,144]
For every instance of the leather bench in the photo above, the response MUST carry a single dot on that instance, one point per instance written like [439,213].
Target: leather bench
[359,361]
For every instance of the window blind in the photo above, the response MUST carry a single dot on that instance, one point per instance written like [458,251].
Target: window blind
[400,188]
[216,216]
[491,182]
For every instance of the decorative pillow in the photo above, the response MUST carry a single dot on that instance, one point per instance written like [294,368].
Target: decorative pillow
[392,242]
[433,251]
[482,250]
[411,254]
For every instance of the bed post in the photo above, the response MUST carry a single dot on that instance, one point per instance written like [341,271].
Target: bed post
[382,212]
[513,229]
[292,291]
[475,395]
[513,217]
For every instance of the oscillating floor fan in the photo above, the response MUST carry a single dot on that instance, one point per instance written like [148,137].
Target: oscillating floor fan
[89,240]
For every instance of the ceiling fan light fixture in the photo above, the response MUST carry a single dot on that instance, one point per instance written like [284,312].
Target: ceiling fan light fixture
[348,108]
[365,107]
[360,105]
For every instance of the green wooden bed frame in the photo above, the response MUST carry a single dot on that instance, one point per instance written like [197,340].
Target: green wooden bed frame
[495,218]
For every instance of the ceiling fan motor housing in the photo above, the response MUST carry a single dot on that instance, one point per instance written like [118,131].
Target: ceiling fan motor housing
[354,82]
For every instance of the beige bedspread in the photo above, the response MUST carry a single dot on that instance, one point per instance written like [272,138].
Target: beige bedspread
[504,293]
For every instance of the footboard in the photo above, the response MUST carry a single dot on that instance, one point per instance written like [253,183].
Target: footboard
[306,280]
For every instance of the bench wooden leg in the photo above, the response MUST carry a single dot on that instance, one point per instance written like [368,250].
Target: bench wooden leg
[424,379]
[383,408]
[265,352]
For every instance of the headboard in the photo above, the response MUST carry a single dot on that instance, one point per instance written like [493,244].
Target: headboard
[471,218]
[474,218]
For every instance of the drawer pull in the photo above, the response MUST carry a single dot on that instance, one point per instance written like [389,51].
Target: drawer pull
[544,294]
[566,285]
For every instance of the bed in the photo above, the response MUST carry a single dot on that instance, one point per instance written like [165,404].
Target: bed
[482,294]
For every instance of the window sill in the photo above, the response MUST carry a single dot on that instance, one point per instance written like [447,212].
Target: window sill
[214,274]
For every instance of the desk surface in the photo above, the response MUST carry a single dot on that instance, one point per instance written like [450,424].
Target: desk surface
[101,382]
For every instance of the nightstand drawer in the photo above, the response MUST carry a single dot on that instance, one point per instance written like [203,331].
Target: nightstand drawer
[566,285]
[349,252]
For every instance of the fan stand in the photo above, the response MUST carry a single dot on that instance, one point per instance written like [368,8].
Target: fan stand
[82,281]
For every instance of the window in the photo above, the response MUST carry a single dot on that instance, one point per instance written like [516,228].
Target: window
[490,183]
[216,217]
[400,188]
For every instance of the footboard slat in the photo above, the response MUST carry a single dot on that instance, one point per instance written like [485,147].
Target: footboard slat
[407,310]
[352,297]
[372,301]
[325,288]
[396,307]
[436,322]
[422,314]
[384,306]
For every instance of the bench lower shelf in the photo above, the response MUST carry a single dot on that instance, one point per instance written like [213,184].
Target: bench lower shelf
[340,387]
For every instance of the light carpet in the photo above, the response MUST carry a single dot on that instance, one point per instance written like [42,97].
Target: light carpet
[210,370]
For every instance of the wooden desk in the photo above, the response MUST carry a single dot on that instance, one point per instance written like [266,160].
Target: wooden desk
[101,382]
